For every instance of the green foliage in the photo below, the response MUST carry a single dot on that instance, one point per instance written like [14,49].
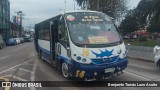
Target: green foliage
[136,42]
[142,38]
[147,13]
[114,8]
[154,25]
[146,10]
[129,24]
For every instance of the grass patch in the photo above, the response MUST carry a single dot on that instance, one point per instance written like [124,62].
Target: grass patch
[149,43]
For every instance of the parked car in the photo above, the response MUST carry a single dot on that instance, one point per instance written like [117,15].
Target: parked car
[18,40]
[22,40]
[11,42]
[1,42]
[28,38]
[156,52]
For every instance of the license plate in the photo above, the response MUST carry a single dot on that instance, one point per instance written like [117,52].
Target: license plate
[108,70]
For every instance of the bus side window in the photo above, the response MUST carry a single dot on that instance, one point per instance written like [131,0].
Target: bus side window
[63,36]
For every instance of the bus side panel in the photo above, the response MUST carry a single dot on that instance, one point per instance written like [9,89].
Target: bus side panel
[36,40]
[44,47]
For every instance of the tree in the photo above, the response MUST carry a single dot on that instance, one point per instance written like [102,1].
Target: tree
[114,8]
[146,10]
[154,26]
[129,24]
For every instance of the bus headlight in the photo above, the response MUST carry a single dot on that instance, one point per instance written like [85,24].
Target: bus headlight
[119,51]
[84,60]
[122,55]
[78,58]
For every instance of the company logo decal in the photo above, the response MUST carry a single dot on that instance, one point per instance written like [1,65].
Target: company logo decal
[70,18]
[85,52]
[103,53]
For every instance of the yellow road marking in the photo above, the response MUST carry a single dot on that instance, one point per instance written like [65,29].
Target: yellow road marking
[6,80]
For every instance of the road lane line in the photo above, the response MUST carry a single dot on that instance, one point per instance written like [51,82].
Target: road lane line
[7,76]
[33,74]
[18,78]
[22,69]
[14,67]
[4,51]
[137,75]
[26,62]
[10,68]
[2,58]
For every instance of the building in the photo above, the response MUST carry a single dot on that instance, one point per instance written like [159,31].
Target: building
[5,19]
[14,29]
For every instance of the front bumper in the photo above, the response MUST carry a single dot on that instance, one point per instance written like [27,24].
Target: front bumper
[91,71]
[11,44]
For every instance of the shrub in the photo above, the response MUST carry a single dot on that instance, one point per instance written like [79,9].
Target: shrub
[142,38]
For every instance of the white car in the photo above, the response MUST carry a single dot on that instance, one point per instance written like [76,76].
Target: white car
[18,40]
[156,52]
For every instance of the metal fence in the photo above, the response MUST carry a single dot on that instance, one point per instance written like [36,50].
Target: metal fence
[141,52]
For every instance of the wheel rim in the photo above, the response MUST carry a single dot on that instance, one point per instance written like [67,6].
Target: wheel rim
[65,70]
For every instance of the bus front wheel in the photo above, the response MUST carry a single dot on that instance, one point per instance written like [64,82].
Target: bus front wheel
[1,46]
[40,55]
[65,70]
[158,64]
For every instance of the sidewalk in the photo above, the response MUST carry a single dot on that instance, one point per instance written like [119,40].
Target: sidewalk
[143,53]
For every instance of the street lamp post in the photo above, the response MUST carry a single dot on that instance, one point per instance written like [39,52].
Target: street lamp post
[98,6]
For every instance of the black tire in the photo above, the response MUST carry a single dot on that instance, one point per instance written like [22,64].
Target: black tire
[158,64]
[40,55]
[1,46]
[64,70]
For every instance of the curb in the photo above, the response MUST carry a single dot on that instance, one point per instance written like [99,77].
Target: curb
[140,59]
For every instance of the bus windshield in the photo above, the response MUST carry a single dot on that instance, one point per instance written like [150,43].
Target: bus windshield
[91,28]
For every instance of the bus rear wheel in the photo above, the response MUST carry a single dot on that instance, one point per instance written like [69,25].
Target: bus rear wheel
[65,70]
[158,64]
[0,46]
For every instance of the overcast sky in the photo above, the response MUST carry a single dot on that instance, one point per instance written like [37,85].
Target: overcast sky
[36,11]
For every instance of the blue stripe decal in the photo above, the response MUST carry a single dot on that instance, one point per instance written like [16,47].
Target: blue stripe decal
[59,56]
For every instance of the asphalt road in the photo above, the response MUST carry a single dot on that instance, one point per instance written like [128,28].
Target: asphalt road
[20,63]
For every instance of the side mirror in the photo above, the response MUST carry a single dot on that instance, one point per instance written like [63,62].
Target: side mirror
[128,44]
[128,47]
[68,52]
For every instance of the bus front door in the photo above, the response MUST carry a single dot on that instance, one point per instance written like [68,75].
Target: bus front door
[54,38]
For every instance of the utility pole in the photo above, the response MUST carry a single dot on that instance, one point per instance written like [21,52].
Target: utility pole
[74,4]
[65,5]
[19,15]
